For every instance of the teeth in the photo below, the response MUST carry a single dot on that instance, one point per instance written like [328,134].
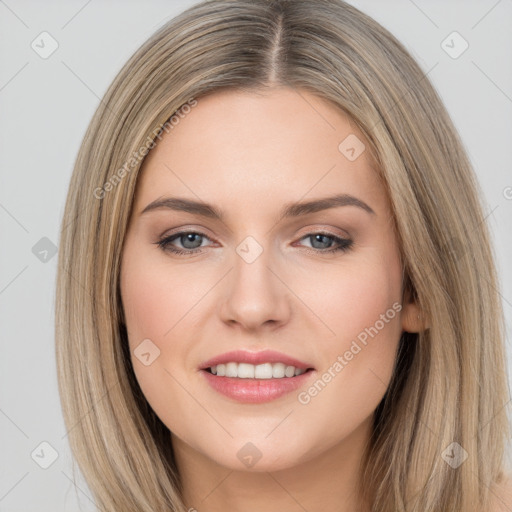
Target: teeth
[244,370]
[231,370]
[289,371]
[259,371]
[278,370]
[263,371]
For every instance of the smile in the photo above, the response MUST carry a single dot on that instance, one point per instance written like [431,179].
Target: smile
[260,371]
[255,377]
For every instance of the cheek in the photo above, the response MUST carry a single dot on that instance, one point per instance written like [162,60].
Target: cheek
[161,303]
[352,298]
[156,297]
[146,304]
[362,307]
[152,307]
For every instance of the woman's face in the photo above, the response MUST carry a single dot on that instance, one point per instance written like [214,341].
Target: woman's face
[266,285]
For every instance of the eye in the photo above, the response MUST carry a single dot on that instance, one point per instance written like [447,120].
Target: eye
[322,239]
[189,240]
[192,242]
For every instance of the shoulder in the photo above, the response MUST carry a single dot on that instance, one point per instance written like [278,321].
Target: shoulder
[502,495]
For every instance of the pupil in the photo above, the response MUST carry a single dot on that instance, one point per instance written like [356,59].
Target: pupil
[189,237]
[319,237]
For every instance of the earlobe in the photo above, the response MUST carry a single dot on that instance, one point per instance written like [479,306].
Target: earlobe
[412,318]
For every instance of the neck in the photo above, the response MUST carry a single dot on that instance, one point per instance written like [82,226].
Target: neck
[328,481]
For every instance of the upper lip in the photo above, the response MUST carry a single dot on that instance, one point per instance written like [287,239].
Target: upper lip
[264,356]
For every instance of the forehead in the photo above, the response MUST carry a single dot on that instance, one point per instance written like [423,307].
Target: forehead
[249,147]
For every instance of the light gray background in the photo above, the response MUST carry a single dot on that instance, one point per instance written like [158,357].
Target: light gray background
[45,107]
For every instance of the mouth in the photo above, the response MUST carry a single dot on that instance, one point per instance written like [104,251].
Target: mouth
[260,371]
[250,377]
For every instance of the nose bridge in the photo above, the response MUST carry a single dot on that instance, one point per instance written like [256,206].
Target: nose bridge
[251,269]
[255,294]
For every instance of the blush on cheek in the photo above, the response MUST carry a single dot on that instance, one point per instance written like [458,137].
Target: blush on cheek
[152,299]
[351,305]
[359,309]
[144,310]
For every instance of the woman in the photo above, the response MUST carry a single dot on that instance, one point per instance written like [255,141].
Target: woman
[282,296]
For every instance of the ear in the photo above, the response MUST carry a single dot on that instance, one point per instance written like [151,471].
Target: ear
[412,318]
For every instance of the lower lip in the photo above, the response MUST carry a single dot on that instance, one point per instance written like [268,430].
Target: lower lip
[255,391]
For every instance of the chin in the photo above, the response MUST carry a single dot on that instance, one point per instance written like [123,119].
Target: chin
[276,462]
[257,456]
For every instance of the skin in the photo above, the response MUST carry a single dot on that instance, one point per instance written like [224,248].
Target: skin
[248,154]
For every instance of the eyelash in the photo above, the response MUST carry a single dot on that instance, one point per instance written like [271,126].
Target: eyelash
[344,244]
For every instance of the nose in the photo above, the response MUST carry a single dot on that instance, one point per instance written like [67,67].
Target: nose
[256,294]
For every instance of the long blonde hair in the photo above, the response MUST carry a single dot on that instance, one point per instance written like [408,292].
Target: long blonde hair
[449,384]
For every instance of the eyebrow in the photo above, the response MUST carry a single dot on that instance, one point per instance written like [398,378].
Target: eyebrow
[289,209]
